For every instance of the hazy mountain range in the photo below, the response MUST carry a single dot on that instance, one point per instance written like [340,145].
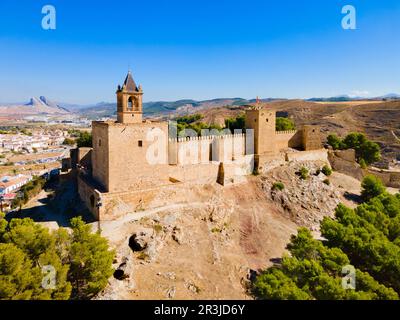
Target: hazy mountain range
[35,106]
[390,96]
[43,105]
[163,108]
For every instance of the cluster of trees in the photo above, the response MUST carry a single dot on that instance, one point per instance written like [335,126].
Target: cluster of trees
[68,142]
[84,139]
[25,132]
[189,118]
[28,191]
[233,123]
[37,264]
[74,133]
[367,152]
[281,124]
[78,137]
[7,131]
[284,124]
[367,238]
[81,138]
[192,122]
[236,123]
[15,130]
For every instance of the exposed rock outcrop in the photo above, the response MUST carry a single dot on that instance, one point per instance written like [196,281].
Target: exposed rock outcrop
[139,240]
[307,201]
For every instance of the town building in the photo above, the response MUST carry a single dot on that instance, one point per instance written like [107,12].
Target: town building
[8,184]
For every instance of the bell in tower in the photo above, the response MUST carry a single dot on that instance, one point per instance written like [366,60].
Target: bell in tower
[129,101]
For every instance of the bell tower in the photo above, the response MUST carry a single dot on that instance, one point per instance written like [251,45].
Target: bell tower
[129,101]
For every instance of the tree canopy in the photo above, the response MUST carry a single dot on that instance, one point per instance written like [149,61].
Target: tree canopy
[191,122]
[84,139]
[371,187]
[90,260]
[281,124]
[68,142]
[367,151]
[81,262]
[236,123]
[284,124]
[367,238]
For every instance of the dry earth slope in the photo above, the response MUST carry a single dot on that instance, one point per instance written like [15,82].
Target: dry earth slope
[206,246]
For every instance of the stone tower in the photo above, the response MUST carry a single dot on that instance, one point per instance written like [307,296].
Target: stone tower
[311,137]
[129,101]
[262,121]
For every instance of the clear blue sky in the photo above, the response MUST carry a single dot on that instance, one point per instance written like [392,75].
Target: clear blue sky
[198,49]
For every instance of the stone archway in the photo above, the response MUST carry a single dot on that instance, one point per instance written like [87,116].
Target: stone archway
[131,103]
[92,201]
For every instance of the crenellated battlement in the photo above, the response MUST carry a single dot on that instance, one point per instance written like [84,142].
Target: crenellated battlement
[208,137]
[288,132]
[206,149]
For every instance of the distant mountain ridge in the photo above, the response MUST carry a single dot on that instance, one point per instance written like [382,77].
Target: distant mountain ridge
[41,105]
[343,98]
[163,108]
[183,106]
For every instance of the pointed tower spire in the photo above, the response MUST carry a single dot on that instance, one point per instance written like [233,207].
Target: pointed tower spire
[129,83]
[129,101]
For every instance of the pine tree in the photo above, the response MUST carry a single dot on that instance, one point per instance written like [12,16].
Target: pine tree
[90,260]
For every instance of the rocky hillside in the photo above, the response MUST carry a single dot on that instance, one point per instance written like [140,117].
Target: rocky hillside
[378,119]
[208,246]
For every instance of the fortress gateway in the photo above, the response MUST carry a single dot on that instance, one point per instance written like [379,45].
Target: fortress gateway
[136,164]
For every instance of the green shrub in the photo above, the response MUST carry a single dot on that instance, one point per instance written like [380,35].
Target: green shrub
[363,164]
[157,227]
[304,173]
[371,187]
[142,255]
[327,182]
[278,186]
[335,142]
[326,170]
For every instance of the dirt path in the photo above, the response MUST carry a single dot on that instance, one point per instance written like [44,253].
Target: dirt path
[395,136]
[57,204]
[224,234]
[110,229]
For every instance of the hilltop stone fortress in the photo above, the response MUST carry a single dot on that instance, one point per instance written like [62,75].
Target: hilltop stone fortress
[136,164]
